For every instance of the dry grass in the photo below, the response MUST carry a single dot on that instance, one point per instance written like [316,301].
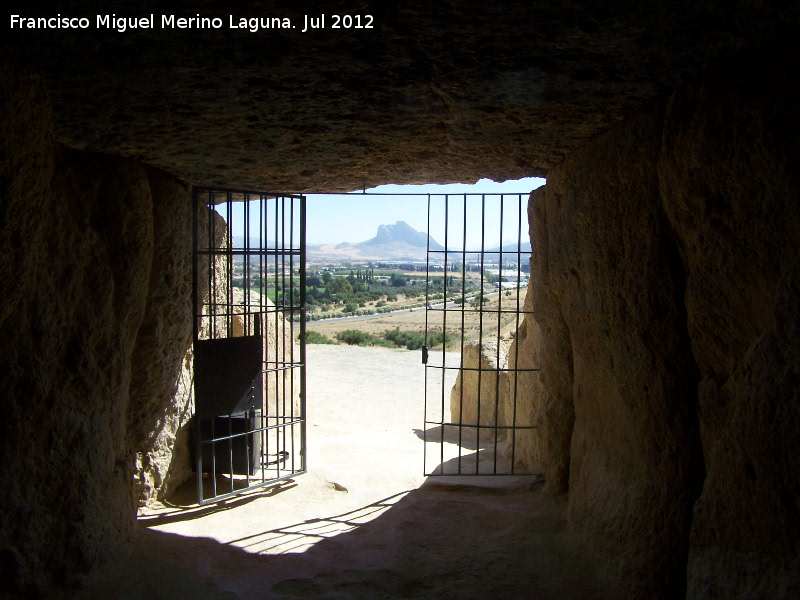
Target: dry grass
[473,322]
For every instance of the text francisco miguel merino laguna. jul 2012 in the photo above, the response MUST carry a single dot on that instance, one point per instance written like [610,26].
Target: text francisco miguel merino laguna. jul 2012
[251,24]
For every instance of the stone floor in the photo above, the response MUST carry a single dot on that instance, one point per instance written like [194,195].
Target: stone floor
[363,522]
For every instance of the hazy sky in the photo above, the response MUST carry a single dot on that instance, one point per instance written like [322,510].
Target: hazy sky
[355,218]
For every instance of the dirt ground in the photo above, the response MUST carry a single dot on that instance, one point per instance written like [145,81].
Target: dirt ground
[363,522]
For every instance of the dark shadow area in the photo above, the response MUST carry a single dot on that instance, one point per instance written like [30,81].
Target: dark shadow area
[466,437]
[184,501]
[475,457]
[433,542]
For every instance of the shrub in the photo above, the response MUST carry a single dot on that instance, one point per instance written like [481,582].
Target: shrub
[355,338]
[408,339]
[314,337]
[437,339]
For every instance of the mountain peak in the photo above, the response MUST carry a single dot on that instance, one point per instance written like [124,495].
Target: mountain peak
[401,232]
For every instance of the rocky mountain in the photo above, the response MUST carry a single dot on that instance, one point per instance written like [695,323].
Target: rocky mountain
[401,233]
[391,242]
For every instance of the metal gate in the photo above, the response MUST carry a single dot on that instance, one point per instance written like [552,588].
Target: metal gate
[478,264]
[249,340]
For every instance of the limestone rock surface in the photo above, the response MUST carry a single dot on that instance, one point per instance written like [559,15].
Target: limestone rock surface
[476,393]
[607,281]
[728,172]
[433,92]
[664,283]
[164,407]
[81,253]
[527,401]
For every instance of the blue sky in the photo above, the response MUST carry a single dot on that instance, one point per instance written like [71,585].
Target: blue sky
[355,218]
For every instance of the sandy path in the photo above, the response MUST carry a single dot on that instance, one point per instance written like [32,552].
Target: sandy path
[363,522]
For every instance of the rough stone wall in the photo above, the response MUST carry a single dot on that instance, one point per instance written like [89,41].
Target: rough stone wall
[474,396]
[665,293]
[85,364]
[605,260]
[79,256]
[728,175]
[161,359]
[163,459]
[546,448]
[166,329]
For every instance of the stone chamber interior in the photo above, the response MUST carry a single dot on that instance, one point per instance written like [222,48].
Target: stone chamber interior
[665,273]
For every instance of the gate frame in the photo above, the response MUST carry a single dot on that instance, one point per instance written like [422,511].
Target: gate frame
[518,311]
[246,197]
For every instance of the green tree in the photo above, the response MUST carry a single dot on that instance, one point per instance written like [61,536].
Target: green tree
[340,285]
[397,280]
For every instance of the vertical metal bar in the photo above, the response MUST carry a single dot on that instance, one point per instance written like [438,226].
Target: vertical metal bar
[444,310]
[277,329]
[303,431]
[290,371]
[229,266]
[513,431]
[195,337]
[428,268]
[480,334]
[425,367]
[230,447]
[282,347]
[213,461]
[212,260]
[246,266]
[263,290]
[499,325]
[462,373]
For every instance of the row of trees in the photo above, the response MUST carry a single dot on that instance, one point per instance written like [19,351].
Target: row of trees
[326,289]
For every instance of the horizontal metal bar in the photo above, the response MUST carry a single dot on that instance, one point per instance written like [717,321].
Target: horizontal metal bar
[254,486]
[223,252]
[482,474]
[251,431]
[480,426]
[457,368]
[262,195]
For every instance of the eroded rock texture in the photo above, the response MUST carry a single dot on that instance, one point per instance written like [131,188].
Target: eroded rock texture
[82,264]
[665,264]
[434,92]
[474,398]
[728,175]
[78,255]
[611,269]
[527,401]
[163,394]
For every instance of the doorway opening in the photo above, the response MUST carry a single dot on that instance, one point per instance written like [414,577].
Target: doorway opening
[249,372]
[459,301]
